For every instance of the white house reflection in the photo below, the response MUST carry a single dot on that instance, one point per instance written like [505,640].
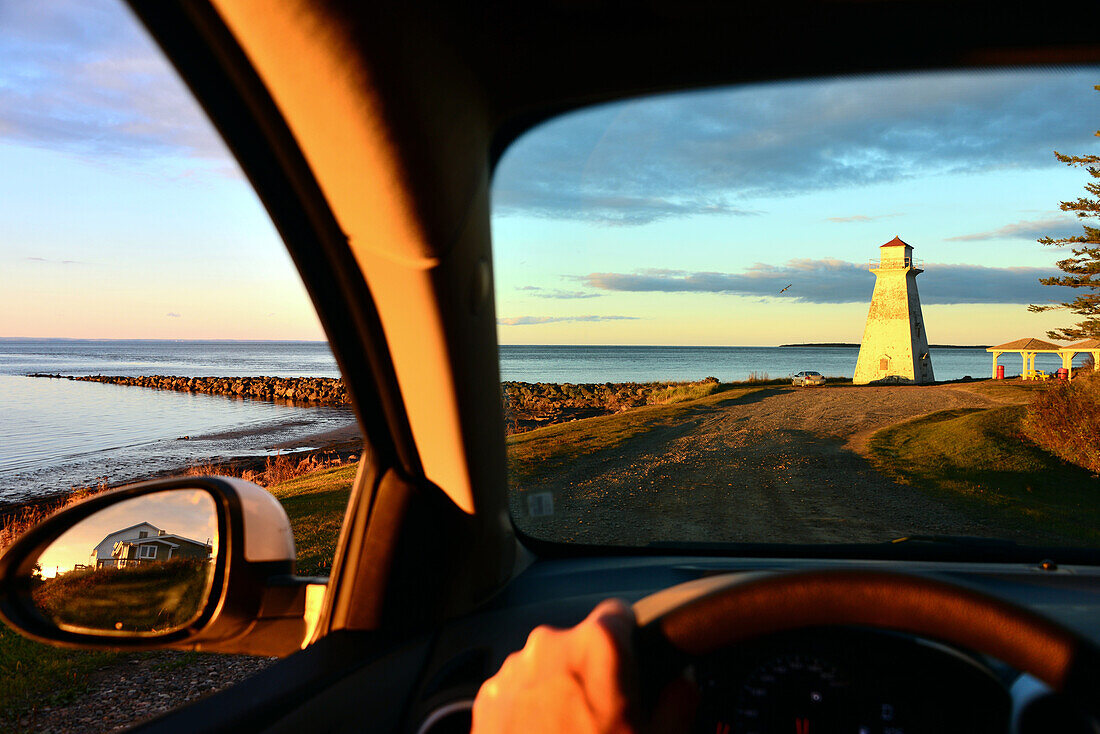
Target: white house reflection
[146,543]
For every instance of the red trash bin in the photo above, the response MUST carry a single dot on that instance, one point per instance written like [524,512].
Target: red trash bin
[1063,373]
[1000,372]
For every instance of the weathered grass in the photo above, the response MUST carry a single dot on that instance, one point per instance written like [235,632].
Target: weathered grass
[145,598]
[1065,420]
[548,450]
[276,470]
[980,458]
[685,392]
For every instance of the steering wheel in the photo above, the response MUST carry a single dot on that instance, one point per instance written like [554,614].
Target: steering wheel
[706,615]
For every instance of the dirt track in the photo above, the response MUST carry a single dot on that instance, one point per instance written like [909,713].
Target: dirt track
[779,465]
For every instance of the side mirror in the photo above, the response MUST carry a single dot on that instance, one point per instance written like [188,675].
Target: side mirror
[196,563]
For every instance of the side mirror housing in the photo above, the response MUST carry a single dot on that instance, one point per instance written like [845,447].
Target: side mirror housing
[194,563]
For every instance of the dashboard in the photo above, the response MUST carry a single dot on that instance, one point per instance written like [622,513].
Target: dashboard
[812,681]
[848,680]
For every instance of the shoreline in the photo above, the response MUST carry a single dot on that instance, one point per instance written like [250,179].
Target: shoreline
[856,345]
[329,447]
[290,390]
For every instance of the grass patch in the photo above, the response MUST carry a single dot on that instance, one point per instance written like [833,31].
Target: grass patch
[683,393]
[981,458]
[548,450]
[146,598]
[33,674]
[315,504]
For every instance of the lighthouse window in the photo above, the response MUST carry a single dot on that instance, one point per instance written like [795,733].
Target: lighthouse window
[711,312]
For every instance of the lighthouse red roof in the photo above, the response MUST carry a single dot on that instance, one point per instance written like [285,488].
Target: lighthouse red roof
[897,242]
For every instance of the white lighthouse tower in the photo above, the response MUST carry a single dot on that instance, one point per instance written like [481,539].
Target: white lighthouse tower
[895,345]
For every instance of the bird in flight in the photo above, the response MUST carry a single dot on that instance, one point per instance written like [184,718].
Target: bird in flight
[788,286]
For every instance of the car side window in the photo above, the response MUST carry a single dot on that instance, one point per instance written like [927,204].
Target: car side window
[151,320]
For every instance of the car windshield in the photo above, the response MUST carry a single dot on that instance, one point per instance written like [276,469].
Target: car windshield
[667,269]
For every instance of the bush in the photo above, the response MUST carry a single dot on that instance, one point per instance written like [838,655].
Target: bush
[148,597]
[1065,420]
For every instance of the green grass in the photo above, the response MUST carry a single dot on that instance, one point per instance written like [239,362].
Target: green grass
[33,674]
[145,598]
[981,458]
[315,504]
[548,450]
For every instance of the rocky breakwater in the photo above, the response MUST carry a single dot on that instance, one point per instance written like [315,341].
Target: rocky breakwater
[529,405]
[315,390]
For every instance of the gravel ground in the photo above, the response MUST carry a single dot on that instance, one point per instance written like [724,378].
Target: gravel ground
[779,465]
[139,687]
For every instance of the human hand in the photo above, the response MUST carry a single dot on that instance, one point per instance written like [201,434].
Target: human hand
[578,680]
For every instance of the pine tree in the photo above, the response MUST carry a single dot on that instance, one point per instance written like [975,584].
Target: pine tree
[1083,267]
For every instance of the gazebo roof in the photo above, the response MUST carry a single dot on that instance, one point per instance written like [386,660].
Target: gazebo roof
[1087,344]
[1028,345]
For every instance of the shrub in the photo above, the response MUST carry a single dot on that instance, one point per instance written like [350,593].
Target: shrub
[1065,420]
[149,597]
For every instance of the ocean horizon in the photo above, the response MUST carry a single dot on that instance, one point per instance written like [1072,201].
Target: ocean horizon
[518,362]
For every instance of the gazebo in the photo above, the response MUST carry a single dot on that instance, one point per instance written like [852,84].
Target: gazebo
[1028,348]
[1092,346]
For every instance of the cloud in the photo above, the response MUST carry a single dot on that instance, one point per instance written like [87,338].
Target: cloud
[861,218]
[836,281]
[83,77]
[1056,227]
[54,262]
[532,320]
[172,315]
[610,209]
[540,292]
[717,151]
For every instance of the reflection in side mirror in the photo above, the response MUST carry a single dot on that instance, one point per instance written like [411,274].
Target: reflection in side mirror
[141,567]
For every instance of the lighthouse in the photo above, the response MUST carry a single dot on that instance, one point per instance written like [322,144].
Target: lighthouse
[895,344]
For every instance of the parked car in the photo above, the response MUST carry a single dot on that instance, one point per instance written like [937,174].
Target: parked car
[808,377]
[371,132]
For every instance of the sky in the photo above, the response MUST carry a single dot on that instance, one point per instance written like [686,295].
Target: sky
[675,219]
[122,214]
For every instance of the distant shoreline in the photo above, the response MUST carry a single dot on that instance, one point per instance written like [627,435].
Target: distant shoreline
[856,345]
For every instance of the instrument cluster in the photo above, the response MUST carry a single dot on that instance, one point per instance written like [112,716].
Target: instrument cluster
[848,681]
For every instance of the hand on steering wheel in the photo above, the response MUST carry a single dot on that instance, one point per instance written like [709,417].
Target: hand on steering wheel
[579,680]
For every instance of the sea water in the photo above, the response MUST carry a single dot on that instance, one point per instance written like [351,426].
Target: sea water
[58,434]
[580,364]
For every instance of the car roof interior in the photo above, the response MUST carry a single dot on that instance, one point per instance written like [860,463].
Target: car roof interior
[371,130]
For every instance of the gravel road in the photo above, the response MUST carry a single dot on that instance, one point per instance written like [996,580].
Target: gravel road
[779,465]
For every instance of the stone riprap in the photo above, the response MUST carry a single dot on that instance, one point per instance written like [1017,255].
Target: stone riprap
[526,405]
[315,390]
[529,405]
